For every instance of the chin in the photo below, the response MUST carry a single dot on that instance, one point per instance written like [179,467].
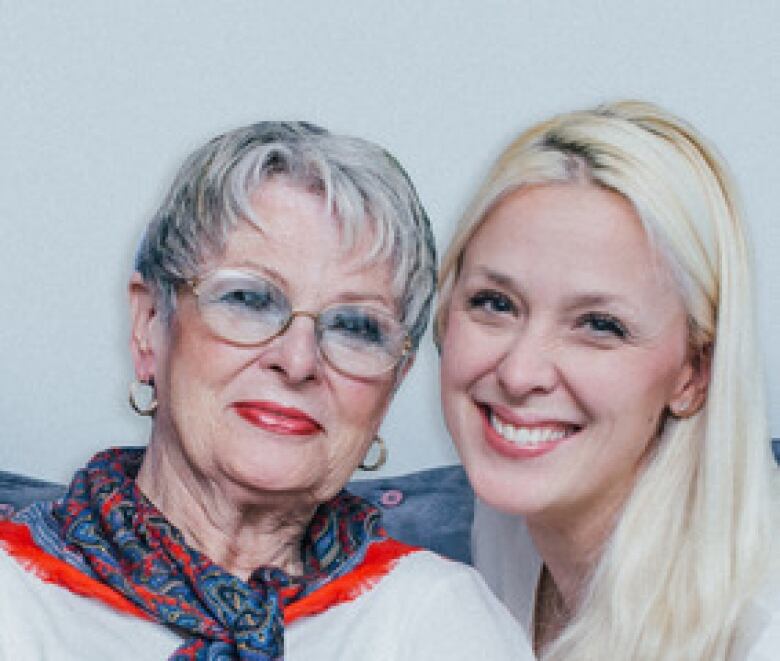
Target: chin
[511,491]
[274,492]
[512,503]
[266,474]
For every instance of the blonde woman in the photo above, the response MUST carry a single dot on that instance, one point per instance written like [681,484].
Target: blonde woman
[600,380]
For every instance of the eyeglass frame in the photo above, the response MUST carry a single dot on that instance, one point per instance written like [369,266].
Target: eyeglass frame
[195,282]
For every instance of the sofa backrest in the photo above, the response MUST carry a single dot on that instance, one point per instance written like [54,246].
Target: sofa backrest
[431,508]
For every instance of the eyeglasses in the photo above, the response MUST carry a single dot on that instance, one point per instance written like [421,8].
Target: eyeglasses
[248,310]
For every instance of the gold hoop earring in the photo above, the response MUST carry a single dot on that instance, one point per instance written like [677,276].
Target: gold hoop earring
[151,407]
[381,458]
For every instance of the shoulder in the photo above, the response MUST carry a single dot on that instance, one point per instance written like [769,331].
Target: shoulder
[25,601]
[44,620]
[425,572]
[759,631]
[425,607]
[14,577]
[506,557]
[447,609]
[429,570]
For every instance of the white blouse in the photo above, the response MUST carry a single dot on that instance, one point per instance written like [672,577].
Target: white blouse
[425,608]
[505,555]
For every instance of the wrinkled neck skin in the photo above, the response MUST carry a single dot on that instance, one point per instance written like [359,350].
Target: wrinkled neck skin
[237,529]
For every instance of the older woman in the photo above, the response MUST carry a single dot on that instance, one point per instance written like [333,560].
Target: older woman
[280,293]
[600,380]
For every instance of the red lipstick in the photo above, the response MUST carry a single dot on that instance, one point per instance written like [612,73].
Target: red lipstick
[276,418]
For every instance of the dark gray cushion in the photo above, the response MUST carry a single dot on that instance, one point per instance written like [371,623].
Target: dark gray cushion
[18,490]
[431,508]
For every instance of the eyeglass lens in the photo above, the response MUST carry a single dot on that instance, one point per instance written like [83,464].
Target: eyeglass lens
[247,309]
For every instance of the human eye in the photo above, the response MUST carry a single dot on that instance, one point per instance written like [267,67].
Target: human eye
[603,325]
[358,325]
[252,298]
[491,302]
[242,294]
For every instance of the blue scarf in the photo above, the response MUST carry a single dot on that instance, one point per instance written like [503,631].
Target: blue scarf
[128,544]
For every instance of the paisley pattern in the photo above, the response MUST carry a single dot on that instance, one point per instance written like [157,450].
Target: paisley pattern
[128,544]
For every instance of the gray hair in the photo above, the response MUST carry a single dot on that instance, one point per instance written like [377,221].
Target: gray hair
[364,186]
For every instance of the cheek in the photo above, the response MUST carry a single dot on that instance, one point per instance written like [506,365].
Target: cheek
[466,354]
[201,369]
[201,375]
[467,357]
[360,406]
[628,389]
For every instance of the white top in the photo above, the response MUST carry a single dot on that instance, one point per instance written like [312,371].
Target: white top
[426,608]
[505,555]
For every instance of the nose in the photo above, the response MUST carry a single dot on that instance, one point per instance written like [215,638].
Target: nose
[294,352]
[528,364]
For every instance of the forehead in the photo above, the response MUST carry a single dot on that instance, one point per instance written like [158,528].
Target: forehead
[577,236]
[295,235]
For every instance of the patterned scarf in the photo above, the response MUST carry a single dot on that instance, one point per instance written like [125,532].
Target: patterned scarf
[130,546]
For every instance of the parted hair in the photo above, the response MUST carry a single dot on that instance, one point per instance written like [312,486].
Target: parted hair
[365,187]
[691,545]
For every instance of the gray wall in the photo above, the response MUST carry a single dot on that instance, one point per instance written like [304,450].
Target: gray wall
[100,101]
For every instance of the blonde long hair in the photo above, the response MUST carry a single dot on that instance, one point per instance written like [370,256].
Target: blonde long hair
[691,545]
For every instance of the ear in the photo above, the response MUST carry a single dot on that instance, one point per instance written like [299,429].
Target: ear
[145,328]
[691,391]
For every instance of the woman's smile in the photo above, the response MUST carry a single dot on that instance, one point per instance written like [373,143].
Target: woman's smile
[277,418]
[523,436]
[574,365]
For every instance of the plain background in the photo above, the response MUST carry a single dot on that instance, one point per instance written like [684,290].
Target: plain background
[100,101]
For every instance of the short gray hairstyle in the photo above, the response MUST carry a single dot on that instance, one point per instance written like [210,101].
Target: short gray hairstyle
[364,186]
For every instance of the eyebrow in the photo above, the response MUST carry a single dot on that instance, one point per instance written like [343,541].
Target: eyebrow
[597,299]
[357,297]
[343,297]
[500,279]
[582,299]
[260,269]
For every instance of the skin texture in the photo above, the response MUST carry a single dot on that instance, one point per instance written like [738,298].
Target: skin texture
[564,320]
[243,493]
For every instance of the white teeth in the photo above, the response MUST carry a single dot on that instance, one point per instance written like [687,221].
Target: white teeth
[526,435]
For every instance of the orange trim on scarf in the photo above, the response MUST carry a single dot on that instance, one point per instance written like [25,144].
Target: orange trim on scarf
[17,541]
[380,558]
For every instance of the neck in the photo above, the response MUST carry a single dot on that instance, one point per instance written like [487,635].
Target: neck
[550,612]
[237,530]
[570,547]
